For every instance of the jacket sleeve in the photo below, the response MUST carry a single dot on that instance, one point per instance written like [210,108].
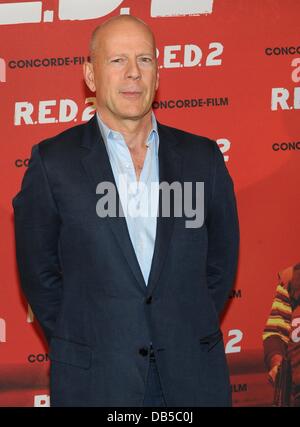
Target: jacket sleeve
[223,233]
[37,227]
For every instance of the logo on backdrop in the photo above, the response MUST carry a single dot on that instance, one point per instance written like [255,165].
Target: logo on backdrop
[289,50]
[233,345]
[190,103]
[235,293]
[285,99]
[68,10]
[42,400]
[2,331]
[2,71]
[46,62]
[191,55]
[40,358]
[286,146]
[52,111]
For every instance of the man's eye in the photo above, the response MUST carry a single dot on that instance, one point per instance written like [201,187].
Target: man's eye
[146,59]
[117,60]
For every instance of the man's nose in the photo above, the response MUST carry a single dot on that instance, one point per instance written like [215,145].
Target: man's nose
[133,70]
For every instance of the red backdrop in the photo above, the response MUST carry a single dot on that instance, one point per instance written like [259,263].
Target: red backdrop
[229,70]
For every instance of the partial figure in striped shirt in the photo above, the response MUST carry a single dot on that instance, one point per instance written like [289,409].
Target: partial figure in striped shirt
[281,335]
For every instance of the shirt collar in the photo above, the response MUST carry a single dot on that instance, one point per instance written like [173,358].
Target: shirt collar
[109,134]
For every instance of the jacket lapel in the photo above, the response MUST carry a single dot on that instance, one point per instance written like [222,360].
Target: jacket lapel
[98,169]
[170,170]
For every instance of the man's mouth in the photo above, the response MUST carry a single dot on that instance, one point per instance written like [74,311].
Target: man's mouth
[131,93]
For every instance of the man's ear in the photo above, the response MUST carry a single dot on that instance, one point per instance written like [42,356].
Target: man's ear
[157,70]
[88,74]
[157,80]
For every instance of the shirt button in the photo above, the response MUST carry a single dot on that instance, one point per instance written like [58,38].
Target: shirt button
[143,351]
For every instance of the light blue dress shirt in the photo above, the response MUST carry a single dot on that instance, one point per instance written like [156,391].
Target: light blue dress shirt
[139,199]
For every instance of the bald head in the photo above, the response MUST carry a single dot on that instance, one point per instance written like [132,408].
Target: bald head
[117,23]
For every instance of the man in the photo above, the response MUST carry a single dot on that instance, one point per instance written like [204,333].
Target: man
[129,303]
[281,335]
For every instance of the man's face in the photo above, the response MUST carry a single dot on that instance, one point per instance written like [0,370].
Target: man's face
[124,72]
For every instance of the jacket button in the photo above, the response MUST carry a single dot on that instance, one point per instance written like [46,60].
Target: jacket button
[143,351]
[149,300]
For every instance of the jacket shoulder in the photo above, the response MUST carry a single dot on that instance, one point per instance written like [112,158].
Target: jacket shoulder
[64,142]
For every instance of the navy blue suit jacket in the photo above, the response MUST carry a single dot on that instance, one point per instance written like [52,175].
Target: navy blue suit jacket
[82,279]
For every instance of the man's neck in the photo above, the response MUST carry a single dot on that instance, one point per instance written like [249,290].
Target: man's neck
[134,132]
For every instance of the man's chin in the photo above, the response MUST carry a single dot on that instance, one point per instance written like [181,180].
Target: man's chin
[133,115]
